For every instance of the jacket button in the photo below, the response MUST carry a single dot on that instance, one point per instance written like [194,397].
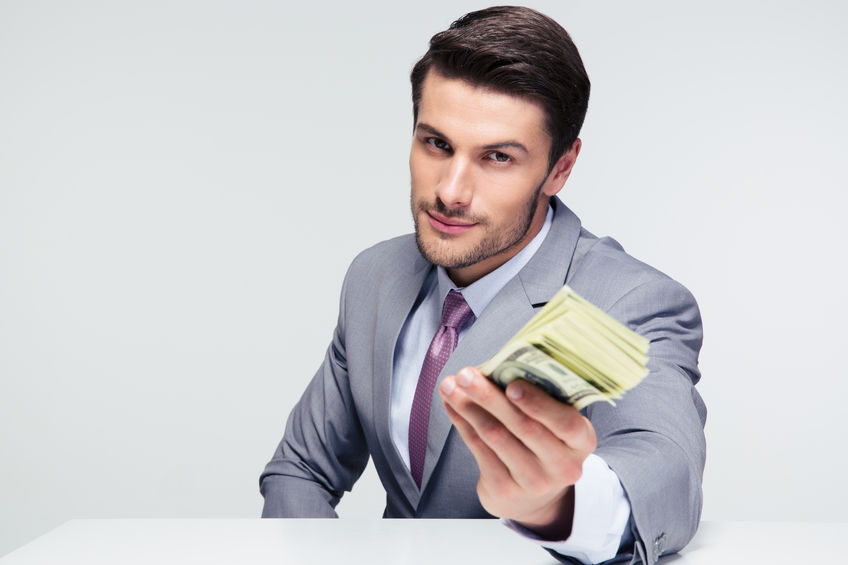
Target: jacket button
[659,544]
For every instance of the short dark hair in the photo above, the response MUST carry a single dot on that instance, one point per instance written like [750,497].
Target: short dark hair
[516,51]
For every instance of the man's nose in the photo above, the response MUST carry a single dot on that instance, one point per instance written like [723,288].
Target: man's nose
[455,186]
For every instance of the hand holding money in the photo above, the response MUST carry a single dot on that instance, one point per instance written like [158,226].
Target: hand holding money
[574,351]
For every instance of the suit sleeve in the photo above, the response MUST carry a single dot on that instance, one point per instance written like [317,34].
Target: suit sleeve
[654,438]
[323,450]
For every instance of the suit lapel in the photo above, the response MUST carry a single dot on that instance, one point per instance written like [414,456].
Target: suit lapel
[511,308]
[394,307]
[546,272]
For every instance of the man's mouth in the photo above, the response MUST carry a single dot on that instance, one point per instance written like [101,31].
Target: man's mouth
[445,224]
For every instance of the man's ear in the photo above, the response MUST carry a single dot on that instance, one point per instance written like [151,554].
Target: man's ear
[562,169]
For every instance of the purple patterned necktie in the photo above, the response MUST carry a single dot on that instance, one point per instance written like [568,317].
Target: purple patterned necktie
[454,315]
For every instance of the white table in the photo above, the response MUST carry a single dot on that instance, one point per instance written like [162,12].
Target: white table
[395,542]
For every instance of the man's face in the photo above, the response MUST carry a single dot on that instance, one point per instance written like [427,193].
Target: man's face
[480,181]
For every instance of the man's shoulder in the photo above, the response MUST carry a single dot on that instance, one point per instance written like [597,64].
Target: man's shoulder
[595,253]
[602,269]
[386,272]
[398,251]
[396,258]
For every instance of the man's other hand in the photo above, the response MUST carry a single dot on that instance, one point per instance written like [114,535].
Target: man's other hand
[529,447]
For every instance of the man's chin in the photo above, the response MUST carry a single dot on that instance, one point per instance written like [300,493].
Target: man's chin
[439,252]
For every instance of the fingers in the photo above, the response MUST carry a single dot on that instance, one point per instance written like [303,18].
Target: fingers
[481,426]
[529,447]
[540,421]
[526,428]
[562,420]
[486,458]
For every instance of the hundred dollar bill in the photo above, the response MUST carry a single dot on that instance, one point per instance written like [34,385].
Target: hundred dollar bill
[574,351]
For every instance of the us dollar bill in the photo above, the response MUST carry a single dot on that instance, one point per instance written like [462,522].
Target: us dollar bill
[535,366]
[573,351]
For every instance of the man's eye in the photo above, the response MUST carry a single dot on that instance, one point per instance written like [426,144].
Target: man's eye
[499,157]
[438,143]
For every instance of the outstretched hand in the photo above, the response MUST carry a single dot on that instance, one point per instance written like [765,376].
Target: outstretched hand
[529,447]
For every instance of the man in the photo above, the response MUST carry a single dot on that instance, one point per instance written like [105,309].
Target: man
[498,101]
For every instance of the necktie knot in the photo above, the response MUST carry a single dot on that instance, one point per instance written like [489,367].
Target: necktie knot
[456,311]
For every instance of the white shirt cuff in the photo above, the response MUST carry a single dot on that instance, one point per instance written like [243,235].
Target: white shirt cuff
[601,513]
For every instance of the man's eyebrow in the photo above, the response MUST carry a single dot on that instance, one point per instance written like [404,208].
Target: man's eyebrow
[427,128]
[506,145]
[431,130]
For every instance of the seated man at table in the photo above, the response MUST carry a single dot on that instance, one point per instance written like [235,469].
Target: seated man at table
[498,103]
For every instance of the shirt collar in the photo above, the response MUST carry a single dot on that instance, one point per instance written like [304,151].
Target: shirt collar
[479,293]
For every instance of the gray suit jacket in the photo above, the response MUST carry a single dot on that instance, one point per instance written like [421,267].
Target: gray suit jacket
[653,439]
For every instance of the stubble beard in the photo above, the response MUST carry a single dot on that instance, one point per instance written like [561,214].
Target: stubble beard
[495,240]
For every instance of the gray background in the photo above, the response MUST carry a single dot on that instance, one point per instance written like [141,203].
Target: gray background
[182,185]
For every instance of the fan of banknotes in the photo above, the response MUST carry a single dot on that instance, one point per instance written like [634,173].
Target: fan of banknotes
[574,351]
